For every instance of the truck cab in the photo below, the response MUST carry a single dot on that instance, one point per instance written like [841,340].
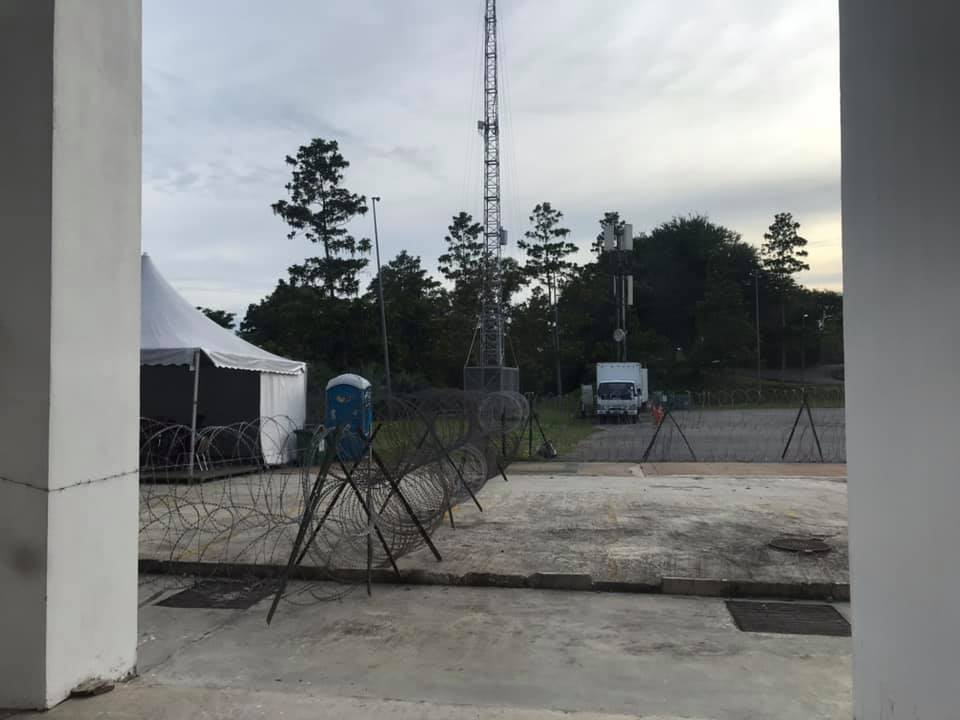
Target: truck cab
[618,398]
[621,390]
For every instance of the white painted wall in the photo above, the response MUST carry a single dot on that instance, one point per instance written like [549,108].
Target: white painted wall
[95,338]
[69,314]
[901,248]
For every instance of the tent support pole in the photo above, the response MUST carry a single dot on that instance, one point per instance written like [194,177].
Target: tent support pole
[193,413]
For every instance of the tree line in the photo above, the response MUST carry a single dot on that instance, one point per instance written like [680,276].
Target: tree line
[697,286]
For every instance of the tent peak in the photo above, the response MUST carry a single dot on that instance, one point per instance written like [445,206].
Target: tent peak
[172,329]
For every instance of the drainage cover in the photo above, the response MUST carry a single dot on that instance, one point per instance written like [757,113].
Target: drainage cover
[788,618]
[804,545]
[220,595]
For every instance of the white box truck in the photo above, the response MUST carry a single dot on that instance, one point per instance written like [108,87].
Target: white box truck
[621,391]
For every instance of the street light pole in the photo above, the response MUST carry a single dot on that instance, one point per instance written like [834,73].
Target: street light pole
[756,313]
[383,315]
[803,348]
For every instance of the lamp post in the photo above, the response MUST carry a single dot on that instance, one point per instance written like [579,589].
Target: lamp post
[383,315]
[803,349]
[756,313]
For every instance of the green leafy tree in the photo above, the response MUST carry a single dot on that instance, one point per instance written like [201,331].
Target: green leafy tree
[414,304]
[585,306]
[783,249]
[548,265]
[404,278]
[319,208]
[725,331]
[548,251]
[512,279]
[462,263]
[530,341]
[220,317]
[303,323]
[672,262]
[818,337]
[783,252]
[828,314]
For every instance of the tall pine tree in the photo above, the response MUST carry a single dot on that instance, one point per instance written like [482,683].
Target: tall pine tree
[783,256]
[548,265]
[319,208]
[462,264]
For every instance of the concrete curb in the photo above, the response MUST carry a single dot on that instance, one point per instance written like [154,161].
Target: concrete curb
[560,581]
[711,587]
[833,472]
[580,582]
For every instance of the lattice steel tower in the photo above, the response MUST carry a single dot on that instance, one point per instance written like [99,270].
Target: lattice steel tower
[491,374]
[491,312]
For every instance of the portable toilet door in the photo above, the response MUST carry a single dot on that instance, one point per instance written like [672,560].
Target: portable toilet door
[350,403]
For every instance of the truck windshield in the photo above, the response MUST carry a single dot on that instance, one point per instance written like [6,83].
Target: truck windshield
[615,391]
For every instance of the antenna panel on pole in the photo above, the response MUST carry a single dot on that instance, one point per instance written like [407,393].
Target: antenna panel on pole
[609,238]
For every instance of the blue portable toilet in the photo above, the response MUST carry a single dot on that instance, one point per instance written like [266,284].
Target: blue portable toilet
[350,403]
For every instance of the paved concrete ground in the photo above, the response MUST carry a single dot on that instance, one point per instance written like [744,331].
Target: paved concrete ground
[753,435]
[621,530]
[627,529]
[632,529]
[458,653]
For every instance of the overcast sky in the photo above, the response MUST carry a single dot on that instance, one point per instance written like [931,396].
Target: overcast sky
[655,109]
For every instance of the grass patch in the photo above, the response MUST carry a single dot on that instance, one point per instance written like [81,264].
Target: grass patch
[562,425]
[560,420]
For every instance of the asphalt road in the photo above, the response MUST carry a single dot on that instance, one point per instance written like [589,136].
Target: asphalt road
[721,436]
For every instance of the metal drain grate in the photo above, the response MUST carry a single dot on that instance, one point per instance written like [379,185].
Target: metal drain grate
[788,618]
[219,595]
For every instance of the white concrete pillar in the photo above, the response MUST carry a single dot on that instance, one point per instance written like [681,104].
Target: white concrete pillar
[900,100]
[70,127]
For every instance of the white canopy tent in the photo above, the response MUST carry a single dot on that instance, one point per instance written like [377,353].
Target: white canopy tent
[174,334]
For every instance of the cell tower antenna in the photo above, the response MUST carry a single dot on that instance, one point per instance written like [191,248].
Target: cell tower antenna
[491,313]
[491,375]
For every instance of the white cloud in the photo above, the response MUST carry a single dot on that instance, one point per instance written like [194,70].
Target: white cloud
[651,108]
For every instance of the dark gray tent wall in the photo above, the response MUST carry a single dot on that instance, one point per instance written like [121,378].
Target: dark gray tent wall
[224,396]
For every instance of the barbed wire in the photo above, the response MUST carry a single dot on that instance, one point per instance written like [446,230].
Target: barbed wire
[69,486]
[255,486]
[238,507]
